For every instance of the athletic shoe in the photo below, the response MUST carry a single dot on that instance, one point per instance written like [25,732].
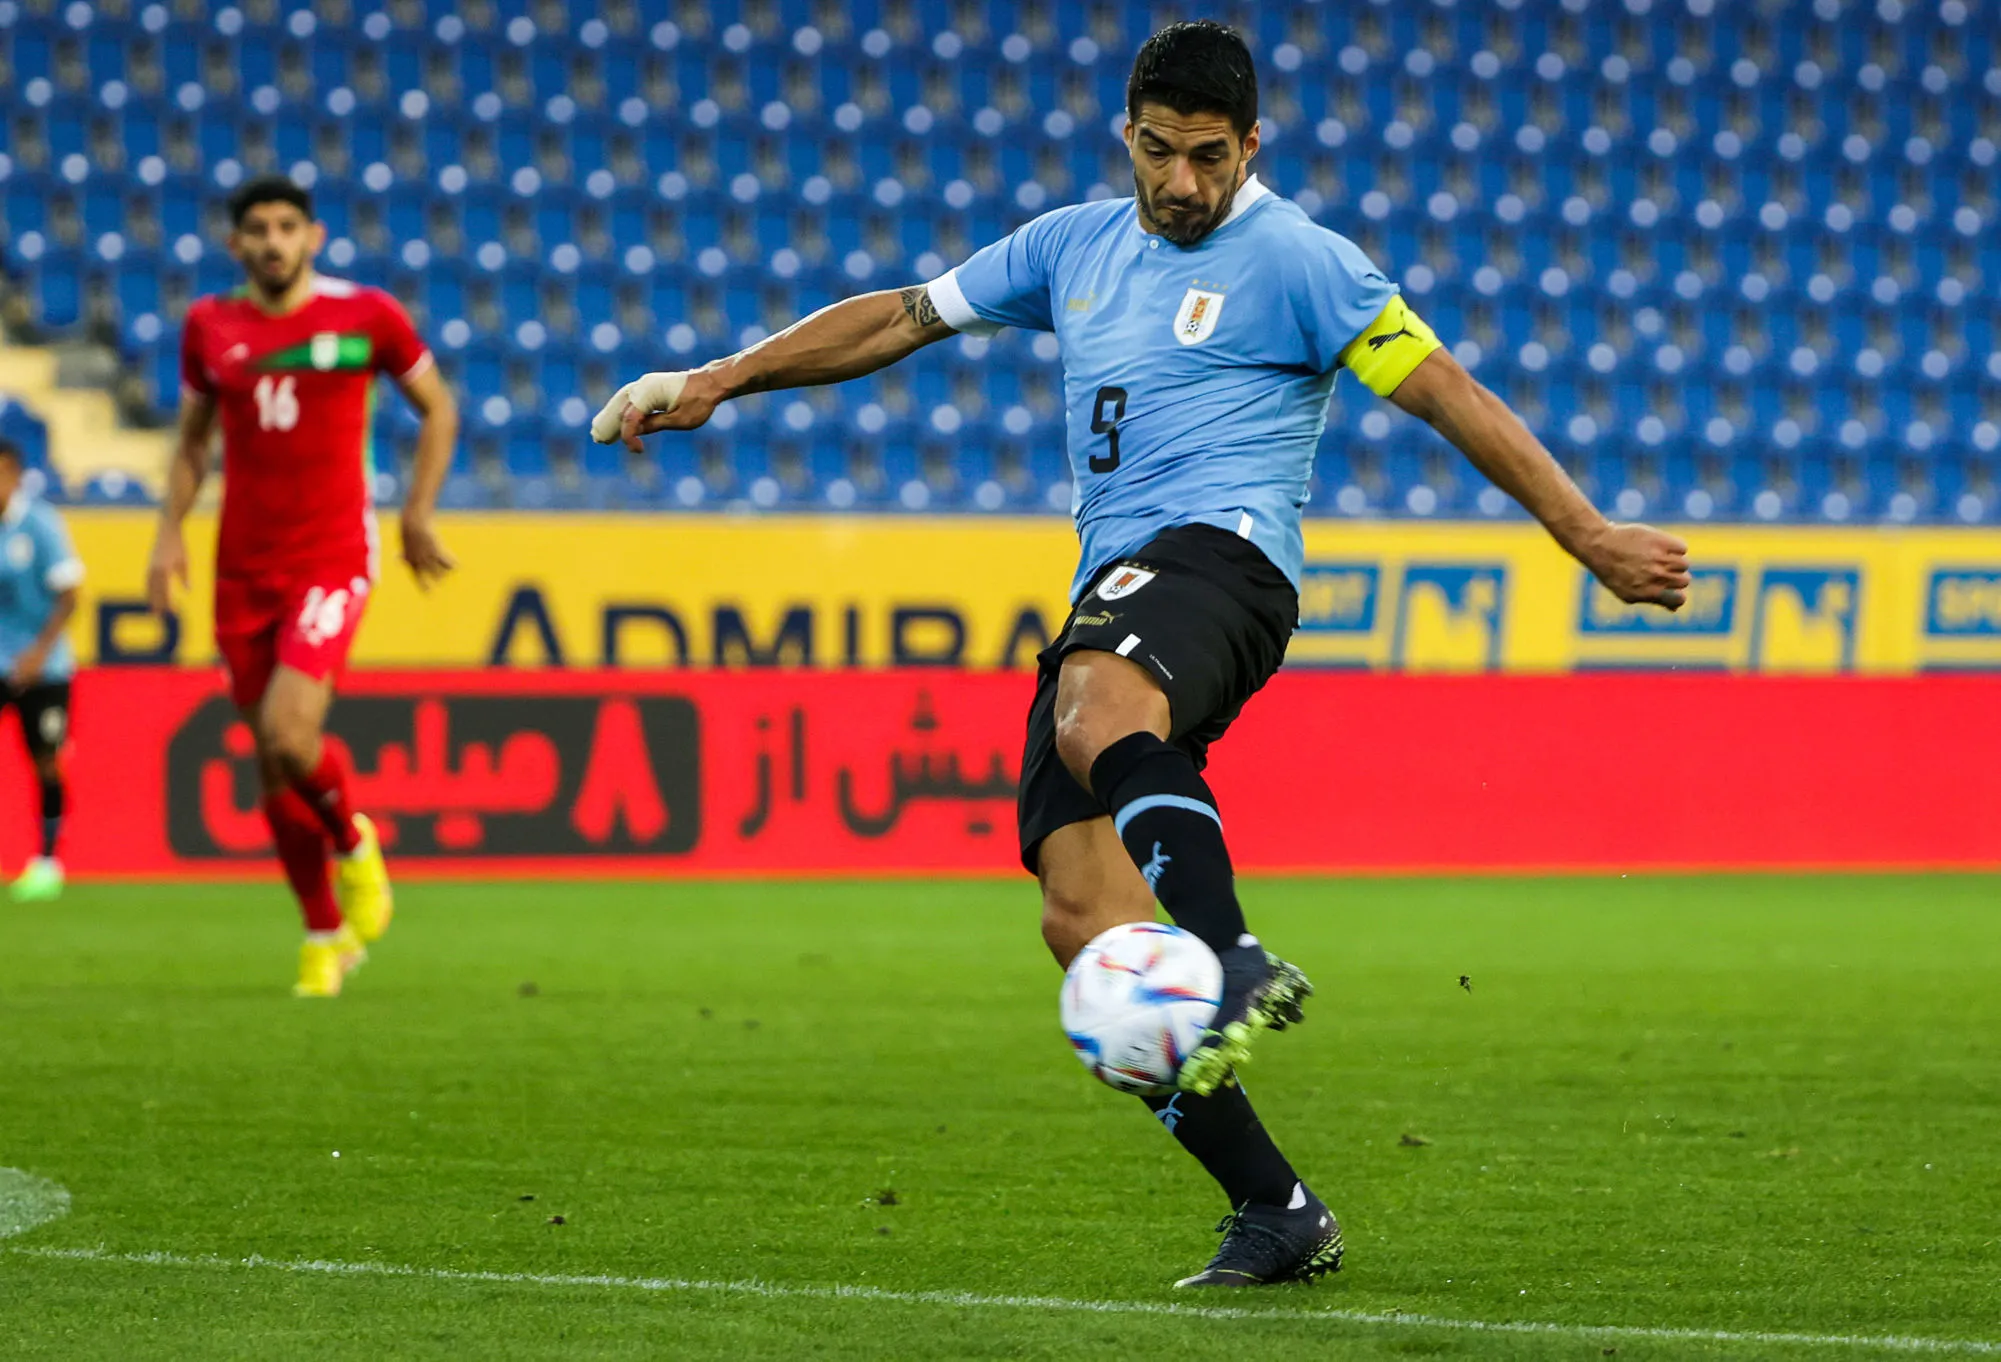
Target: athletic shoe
[1265,1245]
[41,880]
[1260,993]
[325,963]
[361,884]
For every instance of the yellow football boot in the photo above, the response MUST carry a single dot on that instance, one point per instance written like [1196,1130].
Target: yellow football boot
[325,962]
[361,884]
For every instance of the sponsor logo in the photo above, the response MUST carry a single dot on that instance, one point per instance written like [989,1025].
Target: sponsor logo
[1378,342]
[1711,609]
[1339,598]
[1805,619]
[1123,581]
[1196,320]
[1449,617]
[1913,598]
[466,775]
[1963,603]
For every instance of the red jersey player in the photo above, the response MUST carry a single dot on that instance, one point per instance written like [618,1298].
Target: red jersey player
[288,364]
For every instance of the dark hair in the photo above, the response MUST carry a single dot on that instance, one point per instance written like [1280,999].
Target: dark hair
[1199,67]
[268,189]
[10,450]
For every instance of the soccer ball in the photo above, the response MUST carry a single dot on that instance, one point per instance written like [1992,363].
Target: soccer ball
[1136,1001]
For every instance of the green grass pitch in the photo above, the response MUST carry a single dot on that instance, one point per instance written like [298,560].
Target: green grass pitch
[1764,1106]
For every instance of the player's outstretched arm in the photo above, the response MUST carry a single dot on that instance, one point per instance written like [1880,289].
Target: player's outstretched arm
[845,340]
[185,476]
[437,431]
[1638,563]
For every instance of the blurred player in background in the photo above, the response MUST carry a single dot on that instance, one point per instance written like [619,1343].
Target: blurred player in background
[1202,324]
[288,364]
[39,577]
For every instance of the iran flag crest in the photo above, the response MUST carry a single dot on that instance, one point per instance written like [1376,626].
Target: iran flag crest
[1197,317]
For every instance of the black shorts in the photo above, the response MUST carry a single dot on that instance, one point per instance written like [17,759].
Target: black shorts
[1203,610]
[44,712]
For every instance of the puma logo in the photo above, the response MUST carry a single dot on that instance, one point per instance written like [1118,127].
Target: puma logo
[1155,868]
[1378,342]
[1171,1114]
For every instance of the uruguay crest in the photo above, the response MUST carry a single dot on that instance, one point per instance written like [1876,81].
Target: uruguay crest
[1123,580]
[1197,317]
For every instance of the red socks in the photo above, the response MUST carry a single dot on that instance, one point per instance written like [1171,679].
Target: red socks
[307,821]
[325,793]
[302,847]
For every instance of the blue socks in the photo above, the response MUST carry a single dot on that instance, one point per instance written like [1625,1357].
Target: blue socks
[1167,818]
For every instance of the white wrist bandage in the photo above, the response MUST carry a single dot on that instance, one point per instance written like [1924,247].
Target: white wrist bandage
[651,393]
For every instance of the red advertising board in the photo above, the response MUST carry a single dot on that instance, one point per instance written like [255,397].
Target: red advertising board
[581,773]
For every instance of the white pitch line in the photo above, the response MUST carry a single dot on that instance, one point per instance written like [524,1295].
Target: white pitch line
[976,1301]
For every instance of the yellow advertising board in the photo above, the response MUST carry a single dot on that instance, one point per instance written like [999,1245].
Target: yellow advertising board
[674,590]
[1429,597]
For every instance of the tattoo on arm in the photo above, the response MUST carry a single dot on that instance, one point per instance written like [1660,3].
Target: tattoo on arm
[917,305]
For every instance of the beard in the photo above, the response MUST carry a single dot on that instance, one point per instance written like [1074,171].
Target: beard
[1182,228]
[275,280]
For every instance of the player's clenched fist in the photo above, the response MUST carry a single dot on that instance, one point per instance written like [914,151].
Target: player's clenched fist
[1640,565]
[660,401]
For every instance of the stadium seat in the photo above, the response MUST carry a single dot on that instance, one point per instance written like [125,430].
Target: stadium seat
[1617,221]
[26,431]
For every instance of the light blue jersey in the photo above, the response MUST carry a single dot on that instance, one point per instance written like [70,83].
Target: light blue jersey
[37,565]
[1196,378]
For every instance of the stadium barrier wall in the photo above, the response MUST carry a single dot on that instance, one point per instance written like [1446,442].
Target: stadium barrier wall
[700,590]
[774,772]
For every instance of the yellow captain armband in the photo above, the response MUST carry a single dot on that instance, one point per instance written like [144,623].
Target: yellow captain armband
[1389,347]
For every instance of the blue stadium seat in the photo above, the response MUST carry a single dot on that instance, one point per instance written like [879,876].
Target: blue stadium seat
[56,283]
[1640,241]
[26,431]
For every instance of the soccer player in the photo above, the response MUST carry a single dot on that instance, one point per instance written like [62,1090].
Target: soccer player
[39,577]
[287,364]
[1203,322]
